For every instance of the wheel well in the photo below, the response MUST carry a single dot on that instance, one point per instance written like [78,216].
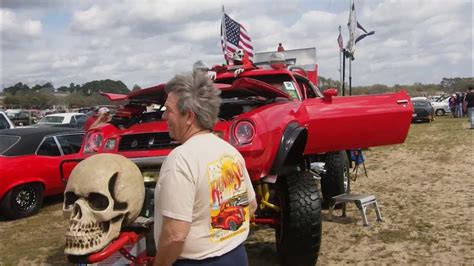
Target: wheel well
[295,154]
[290,151]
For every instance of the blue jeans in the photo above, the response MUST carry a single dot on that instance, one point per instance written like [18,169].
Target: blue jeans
[235,257]
[470,114]
[459,112]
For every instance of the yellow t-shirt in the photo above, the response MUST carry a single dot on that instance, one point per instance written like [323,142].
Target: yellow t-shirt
[205,182]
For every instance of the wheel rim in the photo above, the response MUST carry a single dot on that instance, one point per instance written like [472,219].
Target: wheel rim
[346,179]
[25,199]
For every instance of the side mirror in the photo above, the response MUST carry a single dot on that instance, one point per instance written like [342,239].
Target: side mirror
[329,93]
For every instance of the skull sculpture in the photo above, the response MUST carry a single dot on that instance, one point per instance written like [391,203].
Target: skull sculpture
[104,193]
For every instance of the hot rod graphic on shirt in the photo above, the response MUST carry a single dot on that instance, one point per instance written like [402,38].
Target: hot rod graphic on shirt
[228,198]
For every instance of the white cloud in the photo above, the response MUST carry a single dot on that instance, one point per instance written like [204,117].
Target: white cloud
[146,42]
[13,25]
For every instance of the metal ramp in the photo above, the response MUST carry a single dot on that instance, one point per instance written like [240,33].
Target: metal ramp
[362,201]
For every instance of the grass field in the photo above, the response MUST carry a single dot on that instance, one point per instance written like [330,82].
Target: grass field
[424,187]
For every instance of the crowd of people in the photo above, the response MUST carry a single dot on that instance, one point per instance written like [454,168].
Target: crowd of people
[460,102]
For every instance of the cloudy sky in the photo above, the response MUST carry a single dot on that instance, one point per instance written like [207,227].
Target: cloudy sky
[147,42]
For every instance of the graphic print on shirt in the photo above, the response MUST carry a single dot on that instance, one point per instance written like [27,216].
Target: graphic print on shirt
[228,199]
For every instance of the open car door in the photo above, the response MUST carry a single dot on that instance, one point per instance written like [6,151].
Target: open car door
[341,123]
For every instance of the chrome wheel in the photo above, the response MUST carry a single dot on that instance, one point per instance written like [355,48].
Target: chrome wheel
[26,198]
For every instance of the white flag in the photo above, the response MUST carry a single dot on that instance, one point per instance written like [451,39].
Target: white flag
[352,25]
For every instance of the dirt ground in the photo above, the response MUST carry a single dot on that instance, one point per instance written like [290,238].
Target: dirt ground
[424,188]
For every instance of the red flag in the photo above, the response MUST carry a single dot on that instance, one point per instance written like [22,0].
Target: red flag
[339,40]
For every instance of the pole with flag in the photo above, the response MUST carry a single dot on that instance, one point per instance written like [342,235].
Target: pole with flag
[234,36]
[341,49]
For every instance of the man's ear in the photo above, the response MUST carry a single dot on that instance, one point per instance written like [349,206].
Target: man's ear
[190,116]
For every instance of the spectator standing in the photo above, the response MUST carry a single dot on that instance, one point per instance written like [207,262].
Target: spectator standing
[104,118]
[459,105]
[201,181]
[469,106]
[452,105]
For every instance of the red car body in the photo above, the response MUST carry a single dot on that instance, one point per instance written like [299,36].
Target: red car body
[332,122]
[29,170]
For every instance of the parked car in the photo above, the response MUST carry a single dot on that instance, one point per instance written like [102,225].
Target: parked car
[422,111]
[29,166]
[75,120]
[441,106]
[5,122]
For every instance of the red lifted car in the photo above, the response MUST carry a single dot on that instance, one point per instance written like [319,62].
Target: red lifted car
[282,125]
[29,166]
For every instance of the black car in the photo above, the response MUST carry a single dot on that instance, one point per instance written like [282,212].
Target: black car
[422,111]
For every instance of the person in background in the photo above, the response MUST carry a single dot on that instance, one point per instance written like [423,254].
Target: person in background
[469,105]
[280,48]
[201,182]
[452,105]
[459,105]
[104,118]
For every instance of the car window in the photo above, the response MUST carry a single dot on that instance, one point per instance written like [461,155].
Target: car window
[48,148]
[7,141]
[3,122]
[70,144]
[420,103]
[52,119]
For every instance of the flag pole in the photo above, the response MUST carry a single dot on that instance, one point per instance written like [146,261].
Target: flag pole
[224,34]
[343,71]
[340,62]
[350,76]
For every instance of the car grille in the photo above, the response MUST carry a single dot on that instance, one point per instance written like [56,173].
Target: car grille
[148,141]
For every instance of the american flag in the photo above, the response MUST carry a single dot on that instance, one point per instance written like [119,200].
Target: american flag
[234,36]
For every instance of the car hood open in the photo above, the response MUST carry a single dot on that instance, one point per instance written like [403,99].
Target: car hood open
[242,87]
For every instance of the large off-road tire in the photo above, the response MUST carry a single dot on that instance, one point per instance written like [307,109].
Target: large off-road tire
[298,237]
[22,201]
[336,180]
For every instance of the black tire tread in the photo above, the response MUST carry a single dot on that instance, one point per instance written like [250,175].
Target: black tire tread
[8,208]
[301,232]
[332,182]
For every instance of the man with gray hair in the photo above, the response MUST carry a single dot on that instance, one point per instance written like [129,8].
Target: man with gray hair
[202,182]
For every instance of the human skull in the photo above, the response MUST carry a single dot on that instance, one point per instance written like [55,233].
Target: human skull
[104,193]
[238,55]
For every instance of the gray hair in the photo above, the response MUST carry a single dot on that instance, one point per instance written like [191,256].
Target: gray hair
[197,93]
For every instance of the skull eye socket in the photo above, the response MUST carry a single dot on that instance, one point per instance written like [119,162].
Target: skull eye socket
[69,199]
[98,201]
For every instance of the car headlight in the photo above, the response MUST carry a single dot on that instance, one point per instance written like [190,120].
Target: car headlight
[110,144]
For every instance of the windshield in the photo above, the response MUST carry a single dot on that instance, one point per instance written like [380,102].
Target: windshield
[51,120]
[280,81]
[421,103]
[6,142]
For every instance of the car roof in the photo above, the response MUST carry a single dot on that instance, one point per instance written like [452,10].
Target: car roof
[30,138]
[65,114]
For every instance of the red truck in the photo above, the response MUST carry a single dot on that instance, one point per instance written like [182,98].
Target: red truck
[283,126]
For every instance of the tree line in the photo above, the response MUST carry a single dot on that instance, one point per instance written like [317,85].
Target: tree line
[46,96]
